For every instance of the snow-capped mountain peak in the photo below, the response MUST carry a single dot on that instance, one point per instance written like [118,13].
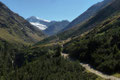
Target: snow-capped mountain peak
[48,27]
[38,22]
[34,18]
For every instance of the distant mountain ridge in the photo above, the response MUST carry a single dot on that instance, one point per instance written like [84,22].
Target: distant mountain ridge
[56,27]
[48,27]
[88,14]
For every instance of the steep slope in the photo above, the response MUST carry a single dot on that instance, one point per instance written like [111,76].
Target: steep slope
[88,14]
[14,28]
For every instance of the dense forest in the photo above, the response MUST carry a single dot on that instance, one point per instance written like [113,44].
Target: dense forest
[38,63]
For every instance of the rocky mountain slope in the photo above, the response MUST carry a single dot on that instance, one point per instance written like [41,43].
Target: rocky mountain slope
[48,27]
[40,23]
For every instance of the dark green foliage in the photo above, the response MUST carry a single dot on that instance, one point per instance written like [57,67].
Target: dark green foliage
[38,63]
[100,48]
[58,51]
[46,68]
[7,56]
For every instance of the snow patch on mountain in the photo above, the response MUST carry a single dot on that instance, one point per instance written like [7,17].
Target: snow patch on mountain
[40,26]
[43,19]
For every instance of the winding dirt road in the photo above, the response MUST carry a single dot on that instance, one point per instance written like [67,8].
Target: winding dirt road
[108,77]
[92,70]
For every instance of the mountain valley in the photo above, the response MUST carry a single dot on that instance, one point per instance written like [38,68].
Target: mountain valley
[88,48]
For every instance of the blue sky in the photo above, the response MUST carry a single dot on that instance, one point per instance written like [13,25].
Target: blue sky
[50,9]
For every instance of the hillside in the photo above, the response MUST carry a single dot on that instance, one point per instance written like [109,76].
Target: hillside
[92,22]
[88,13]
[14,28]
[101,46]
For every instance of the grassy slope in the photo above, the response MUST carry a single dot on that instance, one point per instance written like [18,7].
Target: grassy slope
[15,28]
